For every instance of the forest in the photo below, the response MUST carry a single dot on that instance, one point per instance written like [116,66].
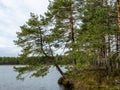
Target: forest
[27,61]
[86,33]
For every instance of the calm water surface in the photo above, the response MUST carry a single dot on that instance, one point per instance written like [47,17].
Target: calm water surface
[8,80]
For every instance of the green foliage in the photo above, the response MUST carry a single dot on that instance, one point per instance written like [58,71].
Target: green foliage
[59,14]
[36,70]
[32,38]
[97,25]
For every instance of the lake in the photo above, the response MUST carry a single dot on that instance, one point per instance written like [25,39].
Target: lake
[8,80]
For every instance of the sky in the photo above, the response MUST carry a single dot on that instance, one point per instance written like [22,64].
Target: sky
[13,14]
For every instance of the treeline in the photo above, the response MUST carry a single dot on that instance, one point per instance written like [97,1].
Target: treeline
[28,60]
[9,60]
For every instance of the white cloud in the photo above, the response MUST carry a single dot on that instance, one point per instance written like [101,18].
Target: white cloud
[14,13]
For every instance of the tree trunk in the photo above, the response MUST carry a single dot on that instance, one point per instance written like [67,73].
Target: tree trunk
[60,71]
[41,42]
[118,34]
[72,31]
[103,51]
[109,48]
[117,44]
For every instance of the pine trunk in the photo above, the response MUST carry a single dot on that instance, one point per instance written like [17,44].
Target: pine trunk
[72,30]
[60,71]
[118,33]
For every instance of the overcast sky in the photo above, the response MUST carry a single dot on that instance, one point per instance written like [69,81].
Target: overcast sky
[13,14]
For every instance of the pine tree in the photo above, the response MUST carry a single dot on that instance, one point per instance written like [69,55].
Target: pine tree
[96,30]
[33,38]
[64,14]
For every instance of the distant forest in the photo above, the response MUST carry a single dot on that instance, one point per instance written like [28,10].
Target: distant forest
[28,60]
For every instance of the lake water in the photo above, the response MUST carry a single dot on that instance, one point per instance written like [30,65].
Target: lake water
[8,80]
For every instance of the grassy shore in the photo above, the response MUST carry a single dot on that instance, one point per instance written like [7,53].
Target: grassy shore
[92,78]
